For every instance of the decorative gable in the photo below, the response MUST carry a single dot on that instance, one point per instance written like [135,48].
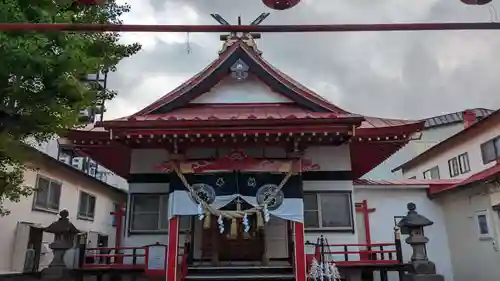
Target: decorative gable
[233,90]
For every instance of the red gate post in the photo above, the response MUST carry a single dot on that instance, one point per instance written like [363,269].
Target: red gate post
[173,248]
[300,253]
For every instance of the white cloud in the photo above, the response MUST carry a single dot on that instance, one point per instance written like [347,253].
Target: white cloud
[392,74]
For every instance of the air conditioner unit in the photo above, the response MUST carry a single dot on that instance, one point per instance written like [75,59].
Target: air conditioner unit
[102,176]
[77,162]
[86,115]
[65,158]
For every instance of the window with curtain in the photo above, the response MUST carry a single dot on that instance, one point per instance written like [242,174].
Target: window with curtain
[47,194]
[149,213]
[328,210]
[490,150]
[86,206]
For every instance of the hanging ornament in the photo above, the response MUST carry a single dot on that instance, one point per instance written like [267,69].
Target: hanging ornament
[206,222]
[476,2]
[220,221]
[322,271]
[188,44]
[246,223]
[315,270]
[260,221]
[234,228]
[265,213]
[335,274]
[201,214]
[326,271]
[280,4]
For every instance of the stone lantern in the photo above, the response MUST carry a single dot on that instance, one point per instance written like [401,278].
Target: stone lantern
[64,236]
[422,267]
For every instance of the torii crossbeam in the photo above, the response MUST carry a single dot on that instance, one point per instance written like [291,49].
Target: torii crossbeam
[41,27]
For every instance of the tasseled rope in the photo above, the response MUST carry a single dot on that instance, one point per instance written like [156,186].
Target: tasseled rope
[232,214]
[234,228]
[260,220]
[206,222]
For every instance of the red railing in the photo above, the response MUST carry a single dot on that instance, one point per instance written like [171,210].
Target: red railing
[357,254]
[129,258]
[123,257]
[352,254]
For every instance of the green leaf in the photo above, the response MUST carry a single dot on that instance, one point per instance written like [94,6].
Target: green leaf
[41,90]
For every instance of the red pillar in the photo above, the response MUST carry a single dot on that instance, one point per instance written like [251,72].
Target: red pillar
[300,253]
[173,248]
[118,231]
[366,219]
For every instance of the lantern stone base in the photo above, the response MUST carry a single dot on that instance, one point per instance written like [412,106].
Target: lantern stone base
[58,273]
[423,277]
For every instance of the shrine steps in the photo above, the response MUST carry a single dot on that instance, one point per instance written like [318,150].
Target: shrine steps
[240,272]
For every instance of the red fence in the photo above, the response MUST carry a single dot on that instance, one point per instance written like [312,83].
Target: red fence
[130,258]
[357,254]
[123,257]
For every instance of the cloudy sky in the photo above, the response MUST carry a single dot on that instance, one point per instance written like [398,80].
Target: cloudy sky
[389,74]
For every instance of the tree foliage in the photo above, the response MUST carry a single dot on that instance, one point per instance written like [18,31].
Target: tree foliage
[42,77]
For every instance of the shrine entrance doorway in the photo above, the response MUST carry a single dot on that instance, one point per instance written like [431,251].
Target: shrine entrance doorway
[234,244]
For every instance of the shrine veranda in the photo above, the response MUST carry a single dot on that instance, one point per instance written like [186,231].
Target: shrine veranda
[246,165]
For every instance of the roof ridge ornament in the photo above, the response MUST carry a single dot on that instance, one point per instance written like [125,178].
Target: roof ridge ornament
[234,37]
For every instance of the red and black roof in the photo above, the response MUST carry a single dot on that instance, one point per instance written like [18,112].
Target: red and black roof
[369,135]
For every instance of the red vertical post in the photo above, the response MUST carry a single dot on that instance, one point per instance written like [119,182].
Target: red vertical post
[173,248]
[118,231]
[366,219]
[300,253]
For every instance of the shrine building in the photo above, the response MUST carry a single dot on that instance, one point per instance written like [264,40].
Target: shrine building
[245,165]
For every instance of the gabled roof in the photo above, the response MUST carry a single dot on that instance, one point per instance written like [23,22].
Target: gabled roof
[487,174]
[37,155]
[455,117]
[404,182]
[454,139]
[372,139]
[219,68]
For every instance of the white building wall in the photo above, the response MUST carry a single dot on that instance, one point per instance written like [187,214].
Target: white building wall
[250,90]
[390,202]
[474,257]
[430,137]
[329,159]
[13,247]
[471,146]
[51,148]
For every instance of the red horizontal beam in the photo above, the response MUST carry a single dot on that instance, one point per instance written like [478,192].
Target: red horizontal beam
[114,265]
[359,252]
[119,248]
[362,245]
[248,28]
[364,262]
[114,255]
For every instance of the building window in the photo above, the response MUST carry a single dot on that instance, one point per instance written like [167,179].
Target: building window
[149,213]
[490,150]
[328,211]
[483,224]
[48,194]
[453,167]
[86,206]
[432,173]
[459,165]
[463,162]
